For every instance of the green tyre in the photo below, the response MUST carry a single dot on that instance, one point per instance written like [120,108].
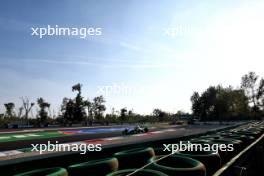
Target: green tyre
[142,172]
[210,159]
[134,158]
[99,167]
[56,171]
[176,165]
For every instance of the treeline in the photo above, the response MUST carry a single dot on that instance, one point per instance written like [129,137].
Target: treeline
[88,112]
[77,110]
[228,103]
[215,103]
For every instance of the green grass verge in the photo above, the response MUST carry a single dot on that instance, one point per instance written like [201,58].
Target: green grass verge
[29,136]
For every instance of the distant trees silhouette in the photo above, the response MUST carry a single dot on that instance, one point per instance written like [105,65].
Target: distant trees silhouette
[159,114]
[73,110]
[123,115]
[215,103]
[98,107]
[9,110]
[77,110]
[42,116]
[27,105]
[219,103]
[254,89]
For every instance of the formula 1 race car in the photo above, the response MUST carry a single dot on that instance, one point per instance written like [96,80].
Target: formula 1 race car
[136,130]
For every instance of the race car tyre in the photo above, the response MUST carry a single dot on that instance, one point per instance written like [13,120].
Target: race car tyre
[146,129]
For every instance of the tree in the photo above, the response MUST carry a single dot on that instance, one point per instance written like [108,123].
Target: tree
[77,87]
[218,103]
[123,115]
[79,104]
[98,107]
[20,111]
[73,110]
[196,104]
[159,114]
[254,90]
[111,117]
[67,109]
[231,103]
[9,110]
[130,112]
[64,104]
[42,114]
[27,106]
[89,106]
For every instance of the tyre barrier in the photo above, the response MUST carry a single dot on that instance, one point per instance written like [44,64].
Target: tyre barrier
[200,140]
[55,171]
[134,158]
[210,137]
[224,133]
[227,155]
[244,138]
[160,151]
[99,167]
[251,133]
[253,130]
[181,163]
[142,172]
[224,155]
[176,165]
[210,159]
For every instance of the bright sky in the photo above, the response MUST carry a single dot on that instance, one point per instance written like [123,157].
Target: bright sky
[137,58]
